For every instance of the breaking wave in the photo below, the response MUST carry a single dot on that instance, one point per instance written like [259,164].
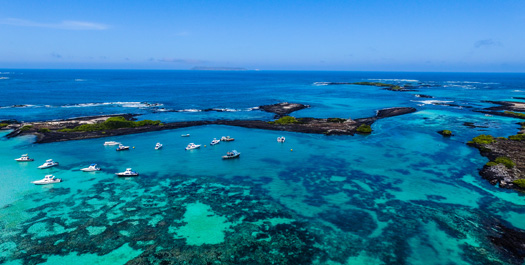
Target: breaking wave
[140,105]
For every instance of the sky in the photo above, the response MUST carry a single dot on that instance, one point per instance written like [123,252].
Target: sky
[358,35]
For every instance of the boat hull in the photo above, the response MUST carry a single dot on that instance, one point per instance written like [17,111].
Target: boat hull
[48,166]
[89,170]
[126,175]
[24,160]
[231,157]
[38,182]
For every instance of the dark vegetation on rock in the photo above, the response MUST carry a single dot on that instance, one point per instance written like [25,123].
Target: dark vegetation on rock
[446,133]
[111,124]
[364,129]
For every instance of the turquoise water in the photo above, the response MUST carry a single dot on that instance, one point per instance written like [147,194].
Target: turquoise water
[402,195]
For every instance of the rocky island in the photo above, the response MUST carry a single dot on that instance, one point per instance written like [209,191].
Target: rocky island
[385,86]
[112,125]
[506,167]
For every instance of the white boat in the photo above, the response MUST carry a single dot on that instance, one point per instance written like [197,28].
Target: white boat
[227,139]
[48,163]
[281,139]
[232,154]
[215,141]
[91,168]
[158,146]
[192,146]
[127,173]
[111,143]
[122,147]
[24,158]
[185,135]
[48,179]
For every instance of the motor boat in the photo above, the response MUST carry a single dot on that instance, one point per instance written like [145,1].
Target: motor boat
[91,168]
[24,158]
[48,163]
[111,143]
[127,173]
[185,135]
[122,147]
[227,139]
[232,154]
[158,146]
[192,146]
[215,141]
[281,139]
[48,179]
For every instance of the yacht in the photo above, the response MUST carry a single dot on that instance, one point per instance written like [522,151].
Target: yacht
[127,173]
[215,141]
[24,158]
[281,139]
[227,139]
[48,163]
[111,143]
[158,146]
[192,146]
[122,147]
[232,154]
[48,179]
[91,168]
[185,135]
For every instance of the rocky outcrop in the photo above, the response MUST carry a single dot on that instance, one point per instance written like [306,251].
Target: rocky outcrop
[499,173]
[48,132]
[283,109]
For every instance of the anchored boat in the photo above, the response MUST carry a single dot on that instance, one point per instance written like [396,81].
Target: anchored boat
[48,179]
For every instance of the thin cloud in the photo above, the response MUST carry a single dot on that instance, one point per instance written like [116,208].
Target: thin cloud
[486,43]
[66,24]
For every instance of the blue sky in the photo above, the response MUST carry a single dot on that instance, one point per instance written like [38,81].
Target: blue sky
[368,35]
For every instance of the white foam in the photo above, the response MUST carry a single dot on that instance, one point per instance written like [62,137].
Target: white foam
[189,110]
[432,102]
[396,80]
[321,83]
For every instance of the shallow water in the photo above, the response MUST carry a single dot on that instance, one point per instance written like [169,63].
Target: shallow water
[403,194]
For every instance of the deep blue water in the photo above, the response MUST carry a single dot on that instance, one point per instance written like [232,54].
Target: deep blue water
[403,194]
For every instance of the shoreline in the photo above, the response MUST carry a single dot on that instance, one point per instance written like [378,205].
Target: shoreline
[48,131]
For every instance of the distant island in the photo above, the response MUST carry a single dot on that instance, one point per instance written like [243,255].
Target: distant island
[204,68]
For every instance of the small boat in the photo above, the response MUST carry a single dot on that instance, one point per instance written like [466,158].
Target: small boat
[215,141]
[91,168]
[122,147]
[158,146]
[127,173]
[232,154]
[227,139]
[185,135]
[24,158]
[192,146]
[48,163]
[281,139]
[111,143]
[48,179]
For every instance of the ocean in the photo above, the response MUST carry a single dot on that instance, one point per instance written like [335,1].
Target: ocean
[402,195]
